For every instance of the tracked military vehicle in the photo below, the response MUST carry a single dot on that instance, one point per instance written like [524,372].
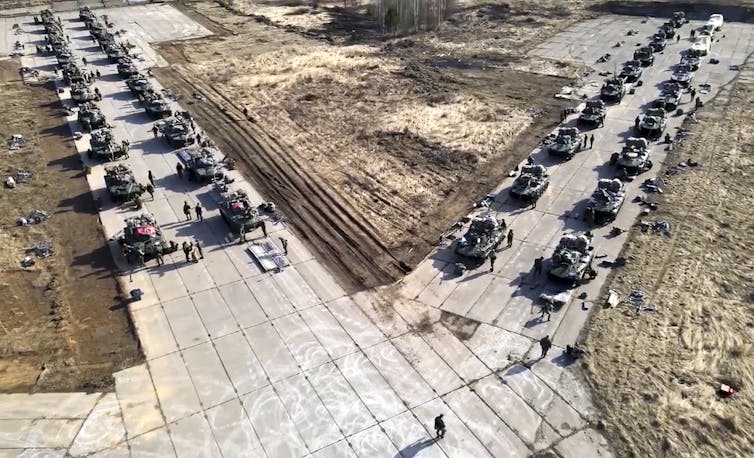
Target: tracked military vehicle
[121,184]
[200,163]
[91,117]
[484,235]
[531,183]
[670,96]
[100,138]
[652,124]
[237,210]
[111,151]
[632,71]
[81,93]
[658,42]
[126,67]
[143,235]
[572,259]
[667,30]
[606,201]
[692,59]
[593,113]
[678,19]
[64,56]
[46,17]
[86,14]
[114,52]
[683,74]
[633,158]
[72,74]
[155,105]
[178,132]
[613,90]
[566,143]
[139,84]
[645,55]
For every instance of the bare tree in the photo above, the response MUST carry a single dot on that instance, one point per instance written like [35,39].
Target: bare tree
[412,15]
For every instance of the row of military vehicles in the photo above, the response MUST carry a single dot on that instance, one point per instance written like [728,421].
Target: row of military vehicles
[572,258]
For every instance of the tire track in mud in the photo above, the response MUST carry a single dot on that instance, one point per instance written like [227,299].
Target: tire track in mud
[333,231]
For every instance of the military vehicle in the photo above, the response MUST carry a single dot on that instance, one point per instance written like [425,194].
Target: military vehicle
[670,96]
[484,235]
[46,17]
[142,234]
[566,143]
[633,158]
[114,52]
[91,117]
[64,56]
[678,19]
[139,84]
[652,123]
[632,71]
[606,201]
[691,58]
[645,55]
[531,183]
[178,132]
[200,163]
[100,138]
[237,210]
[657,42]
[111,151]
[81,93]
[572,259]
[121,184]
[613,89]
[72,74]
[593,113]
[155,105]
[683,75]
[126,67]
[96,27]
[86,14]
[667,30]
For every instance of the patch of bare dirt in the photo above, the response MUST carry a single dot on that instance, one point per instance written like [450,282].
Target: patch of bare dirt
[656,375]
[63,326]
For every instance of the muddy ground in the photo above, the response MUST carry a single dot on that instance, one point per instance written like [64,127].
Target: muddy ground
[656,374]
[371,146]
[62,325]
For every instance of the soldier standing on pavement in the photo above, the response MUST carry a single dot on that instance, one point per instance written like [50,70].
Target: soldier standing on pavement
[179,170]
[150,190]
[510,238]
[546,310]
[155,130]
[198,210]
[186,250]
[264,228]
[284,243]
[199,249]
[242,233]
[538,266]
[187,210]
[439,426]
[150,177]
[591,142]
[158,256]
[545,343]
[493,256]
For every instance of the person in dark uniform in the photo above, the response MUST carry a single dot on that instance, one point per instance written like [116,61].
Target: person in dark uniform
[187,210]
[179,170]
[510,238]
[150,177]
[492,260]
[545,343]
[198,210]
[439,426]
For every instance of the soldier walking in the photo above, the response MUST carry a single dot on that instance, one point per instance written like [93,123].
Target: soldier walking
[186,250]
[284,243]
[198,210]
[199,249]
[193,254]
[158,256]
[155,130]
[187,210]
[493,256]
[510,238]
[179,170]
[584,141]
[591,142]
[150,177]
[546,310]
[439,426]
[636,123]
[242,233]
[263,225]
[538,266]
[150,190]
[545,343]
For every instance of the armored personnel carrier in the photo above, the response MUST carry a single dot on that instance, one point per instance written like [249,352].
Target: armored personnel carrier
[566,143]
[139,84]
[178,132]
[64,56]
[121,184]
[683,74]
[652,124]
[658,42]
[667,30]
[143,234]
[606,201]
[111,151]
[593,113]
[86,14]
[91,117]
[484,235]
[237,210]
[531,183]
[155,105]
[613,90]
[645,55]
[678,19]
[691,58]
[81,93]
[114,52]
[72,74]
[126,67]
[100,138]
[572,259]
[670,96]
[633,158]
[632,71]
[46,17]
[200,163]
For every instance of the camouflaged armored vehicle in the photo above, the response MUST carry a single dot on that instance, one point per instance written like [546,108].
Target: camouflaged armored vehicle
[566,143]
[86,14]
[572,259]
[115,52]
[658,42]
[645,55]
[72,74]
[46,17]
[692,58]
[126,67]
[531,183]
[237,210]
[155,105]
[121,184]
[143,235]
[139,84]
[64,56]
[652,123]
[667,30]
[178,132]
[200,163]
[683,74]
[100,138]
[593,113]
[111,151]
[678,19]
[606,201]
[670,96]
[613,90]
[484,235]
[633,158]
[632,71]
[91,117]
[81,93]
